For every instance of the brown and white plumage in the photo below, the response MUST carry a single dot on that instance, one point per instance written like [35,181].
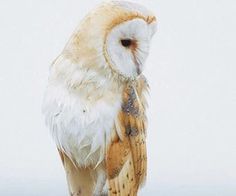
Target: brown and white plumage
[95,101]
[126,158]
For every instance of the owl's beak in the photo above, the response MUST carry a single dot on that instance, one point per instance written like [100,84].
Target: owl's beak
[138,65]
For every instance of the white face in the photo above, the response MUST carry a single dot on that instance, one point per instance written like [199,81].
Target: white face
[128,46]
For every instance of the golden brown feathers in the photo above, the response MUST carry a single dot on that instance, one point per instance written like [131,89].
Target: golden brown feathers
[126,159]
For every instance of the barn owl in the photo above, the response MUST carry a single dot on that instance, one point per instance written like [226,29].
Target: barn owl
[94,104]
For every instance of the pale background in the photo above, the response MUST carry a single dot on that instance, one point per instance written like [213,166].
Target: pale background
[192,113]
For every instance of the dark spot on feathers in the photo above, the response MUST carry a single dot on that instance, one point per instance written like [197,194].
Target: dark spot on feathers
[115,172]
[57,114]
[79,192]
[126,152]
[131,131]
[128,106]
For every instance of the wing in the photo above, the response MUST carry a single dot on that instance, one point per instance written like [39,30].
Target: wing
[126,159]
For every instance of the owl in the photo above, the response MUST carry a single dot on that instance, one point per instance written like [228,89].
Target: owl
[94,104]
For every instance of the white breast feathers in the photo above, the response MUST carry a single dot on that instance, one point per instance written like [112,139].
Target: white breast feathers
[81,124]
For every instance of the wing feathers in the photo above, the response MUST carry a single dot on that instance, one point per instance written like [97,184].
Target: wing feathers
[126,159]
[124,183]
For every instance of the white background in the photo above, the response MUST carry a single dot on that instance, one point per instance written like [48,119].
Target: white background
[192,113]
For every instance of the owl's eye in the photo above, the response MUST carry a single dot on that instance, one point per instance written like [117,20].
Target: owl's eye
[126,42]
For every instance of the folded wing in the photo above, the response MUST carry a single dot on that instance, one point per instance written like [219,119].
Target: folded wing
[126,159]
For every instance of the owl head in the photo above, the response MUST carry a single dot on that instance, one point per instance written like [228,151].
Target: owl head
[114,38]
